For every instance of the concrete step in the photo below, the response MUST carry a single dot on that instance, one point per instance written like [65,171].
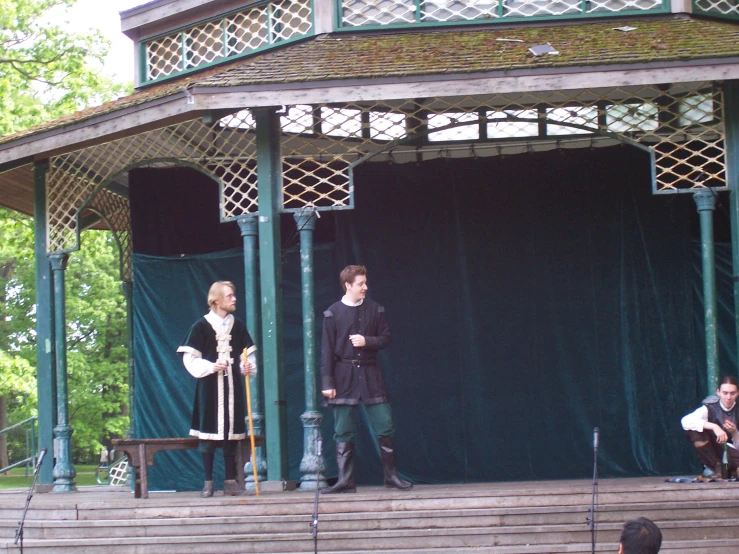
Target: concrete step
[504,518]
[701,513]
[386,540]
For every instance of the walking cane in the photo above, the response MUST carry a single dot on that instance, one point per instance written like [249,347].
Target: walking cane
[248,351]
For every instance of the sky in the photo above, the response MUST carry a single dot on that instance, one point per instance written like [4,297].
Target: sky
[103,15]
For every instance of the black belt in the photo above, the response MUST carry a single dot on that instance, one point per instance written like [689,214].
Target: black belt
[358,362]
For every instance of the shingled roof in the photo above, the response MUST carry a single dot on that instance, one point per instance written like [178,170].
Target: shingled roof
[445,52]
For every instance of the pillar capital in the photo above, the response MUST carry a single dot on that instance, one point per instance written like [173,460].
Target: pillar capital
[249,225]
[306,219]
[705,199]
[58,261]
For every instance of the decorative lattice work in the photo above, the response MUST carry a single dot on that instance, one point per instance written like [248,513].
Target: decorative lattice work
[723,7]
[224,149]
[393,12]
[117,212]
[680,124]
[238,33]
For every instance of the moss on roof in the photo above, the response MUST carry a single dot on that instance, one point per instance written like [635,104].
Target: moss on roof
[447,51]
[457,51]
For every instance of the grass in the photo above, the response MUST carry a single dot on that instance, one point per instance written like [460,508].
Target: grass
[16,478]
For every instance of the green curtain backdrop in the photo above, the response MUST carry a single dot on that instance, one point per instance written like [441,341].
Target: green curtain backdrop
[530,298]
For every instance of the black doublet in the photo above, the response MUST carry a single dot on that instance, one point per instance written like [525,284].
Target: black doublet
[354,372]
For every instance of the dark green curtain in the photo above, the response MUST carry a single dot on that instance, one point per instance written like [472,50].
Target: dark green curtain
[530,298]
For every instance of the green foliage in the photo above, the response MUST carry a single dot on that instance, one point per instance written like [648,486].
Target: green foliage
[97,356]
[46,71]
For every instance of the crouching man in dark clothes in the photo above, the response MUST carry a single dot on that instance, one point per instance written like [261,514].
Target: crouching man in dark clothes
[211,353]
[354,329]
[714,425]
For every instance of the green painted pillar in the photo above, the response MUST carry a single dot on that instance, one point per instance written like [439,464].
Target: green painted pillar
[63,470]
[250,231]
[127,287]
[269,184]
[46,375]
[705,200]
[312,465]
[731,124]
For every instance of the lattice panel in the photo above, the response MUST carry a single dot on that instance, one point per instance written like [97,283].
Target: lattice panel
[224,149]
[247,31]
[232,35]
[204,44]
[377,12]
[393,12]
[724,7]
[681,124]
[290,18]
[164,56]
[117,211]
[601,6]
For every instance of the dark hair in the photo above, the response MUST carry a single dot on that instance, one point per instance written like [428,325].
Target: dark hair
[349,273]
[728,380]
[641,536]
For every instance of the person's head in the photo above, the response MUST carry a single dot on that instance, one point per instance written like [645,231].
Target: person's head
[354,282]
[728,389]
[222,297]
[640,536]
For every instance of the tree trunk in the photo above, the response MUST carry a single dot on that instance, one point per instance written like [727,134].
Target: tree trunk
[4,438]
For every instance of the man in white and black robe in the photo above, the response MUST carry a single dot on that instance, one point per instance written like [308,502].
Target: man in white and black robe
[212,352]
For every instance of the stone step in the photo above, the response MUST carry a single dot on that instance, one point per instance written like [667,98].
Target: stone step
[489,518]
[188,505]
[387,540]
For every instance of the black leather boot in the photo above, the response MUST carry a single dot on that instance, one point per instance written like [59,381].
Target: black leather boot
[345,462]
[389,465]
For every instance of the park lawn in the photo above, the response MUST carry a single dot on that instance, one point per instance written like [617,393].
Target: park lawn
[16,478]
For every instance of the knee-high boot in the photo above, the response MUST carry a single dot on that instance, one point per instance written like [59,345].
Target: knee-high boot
[389,465]
[345,462]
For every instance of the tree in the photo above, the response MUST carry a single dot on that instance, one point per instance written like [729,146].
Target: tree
[46,71]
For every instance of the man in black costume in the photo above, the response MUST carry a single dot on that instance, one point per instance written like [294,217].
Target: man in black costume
[712,428]
[354,329]
[211,350]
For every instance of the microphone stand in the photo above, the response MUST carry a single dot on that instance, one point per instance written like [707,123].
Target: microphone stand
[19,531]
[591,517]
[314,523]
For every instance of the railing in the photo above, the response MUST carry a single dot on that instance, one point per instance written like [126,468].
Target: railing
[374,13]
[230,36]
[719,8]
[30,449]
[117,473]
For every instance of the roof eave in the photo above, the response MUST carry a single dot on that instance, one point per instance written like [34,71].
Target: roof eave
[186,105]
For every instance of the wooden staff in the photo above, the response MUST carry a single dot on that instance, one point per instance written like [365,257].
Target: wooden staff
[251,425]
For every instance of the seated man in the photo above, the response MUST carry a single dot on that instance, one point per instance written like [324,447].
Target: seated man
[713,425]
[640,536]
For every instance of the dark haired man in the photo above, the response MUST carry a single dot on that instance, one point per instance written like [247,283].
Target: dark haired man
[354,330]
[640,536]
[211,350]
[714,425]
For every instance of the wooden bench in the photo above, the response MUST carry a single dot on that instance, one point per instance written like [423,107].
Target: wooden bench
[141,452]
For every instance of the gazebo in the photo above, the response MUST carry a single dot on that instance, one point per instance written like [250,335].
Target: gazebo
[285,103]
